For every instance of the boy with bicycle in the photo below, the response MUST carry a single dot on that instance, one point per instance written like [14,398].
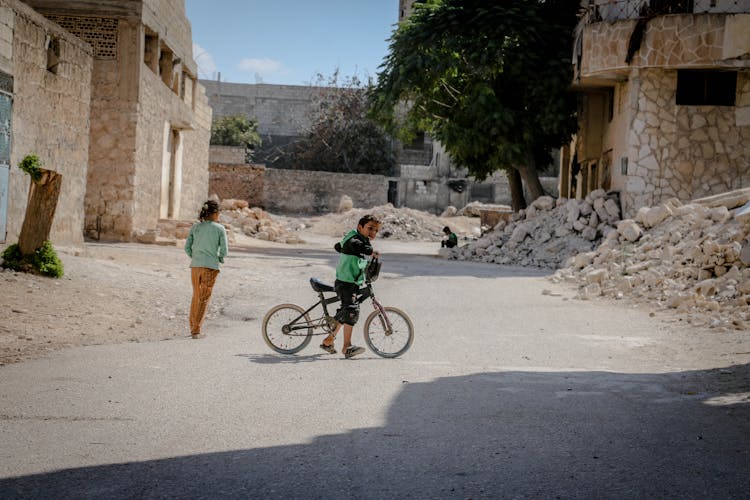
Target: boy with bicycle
[354,249]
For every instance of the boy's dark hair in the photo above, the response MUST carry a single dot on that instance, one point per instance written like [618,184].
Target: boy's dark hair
[446,230]
[368,218]
[209,207]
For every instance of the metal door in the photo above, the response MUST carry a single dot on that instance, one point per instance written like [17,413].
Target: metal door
[5,112]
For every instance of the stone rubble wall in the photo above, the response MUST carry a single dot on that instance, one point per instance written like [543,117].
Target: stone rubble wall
[50,116]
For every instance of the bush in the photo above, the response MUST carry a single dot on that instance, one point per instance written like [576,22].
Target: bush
[32,166]
[43,261]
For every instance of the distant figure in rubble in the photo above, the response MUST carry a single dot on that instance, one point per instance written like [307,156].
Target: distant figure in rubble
[206,246]
[450,239]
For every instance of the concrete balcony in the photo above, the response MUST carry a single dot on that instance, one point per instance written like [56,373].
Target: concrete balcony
[675,41]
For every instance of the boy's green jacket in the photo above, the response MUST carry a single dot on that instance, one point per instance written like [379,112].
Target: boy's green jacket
[352,262]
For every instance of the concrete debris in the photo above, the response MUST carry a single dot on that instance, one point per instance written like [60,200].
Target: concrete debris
[687,258]
[405,224]
[547,233]
[692,258]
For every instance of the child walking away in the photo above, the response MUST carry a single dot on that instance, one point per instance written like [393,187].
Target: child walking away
[350,274]
[206,246]
[450,240]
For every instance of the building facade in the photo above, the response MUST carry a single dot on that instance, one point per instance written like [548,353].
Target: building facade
[45,87]
[665,101]
[149,118]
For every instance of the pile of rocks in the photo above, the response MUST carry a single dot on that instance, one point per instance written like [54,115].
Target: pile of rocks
[254,222]
[691,258]
[403,223]
[547,233]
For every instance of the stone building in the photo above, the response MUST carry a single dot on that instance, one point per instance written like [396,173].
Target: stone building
[665,101]
[150,120]
[45,86]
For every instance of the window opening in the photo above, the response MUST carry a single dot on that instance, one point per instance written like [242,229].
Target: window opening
[53,54]
[706,88]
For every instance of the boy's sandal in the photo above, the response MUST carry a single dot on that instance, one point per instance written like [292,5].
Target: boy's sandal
[328,348]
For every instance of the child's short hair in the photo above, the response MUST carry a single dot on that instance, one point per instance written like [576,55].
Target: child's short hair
[446,230]
[368,218]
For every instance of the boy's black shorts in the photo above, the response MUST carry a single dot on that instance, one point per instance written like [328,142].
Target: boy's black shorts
[348,312]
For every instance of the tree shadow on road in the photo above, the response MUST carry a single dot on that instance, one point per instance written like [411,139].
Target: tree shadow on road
[487,435]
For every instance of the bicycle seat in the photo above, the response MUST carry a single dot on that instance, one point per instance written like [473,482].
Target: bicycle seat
[319,286]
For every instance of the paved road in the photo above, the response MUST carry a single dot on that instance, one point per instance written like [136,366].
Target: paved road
[507,392]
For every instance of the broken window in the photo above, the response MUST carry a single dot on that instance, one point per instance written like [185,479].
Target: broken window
[706,88]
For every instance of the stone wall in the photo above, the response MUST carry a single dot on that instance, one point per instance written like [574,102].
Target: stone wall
[110,192]
[319,192]
[239,181]
[227,155]
[50,115]
[168,184]
[281,110]
[684,152]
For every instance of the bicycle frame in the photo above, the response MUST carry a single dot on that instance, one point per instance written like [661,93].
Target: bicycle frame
[327,322]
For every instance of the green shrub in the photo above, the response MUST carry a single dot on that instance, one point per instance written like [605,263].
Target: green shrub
[43,261]
[32,165]
[12,258]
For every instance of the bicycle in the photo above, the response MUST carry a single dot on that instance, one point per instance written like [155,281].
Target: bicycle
[288,328]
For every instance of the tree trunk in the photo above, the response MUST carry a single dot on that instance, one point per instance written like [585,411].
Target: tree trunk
[40,211]
[530,176]
[517,199]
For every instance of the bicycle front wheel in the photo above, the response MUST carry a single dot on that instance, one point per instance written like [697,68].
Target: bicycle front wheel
[389,332]
[286,328]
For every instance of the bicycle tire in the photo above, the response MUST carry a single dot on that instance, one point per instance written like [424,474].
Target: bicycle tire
[273,322]
[389,345]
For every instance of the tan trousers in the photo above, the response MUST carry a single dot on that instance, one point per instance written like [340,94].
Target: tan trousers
[203,280]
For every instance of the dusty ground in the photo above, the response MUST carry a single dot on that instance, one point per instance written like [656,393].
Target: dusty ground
[115,292]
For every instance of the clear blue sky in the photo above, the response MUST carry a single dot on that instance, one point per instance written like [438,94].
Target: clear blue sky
[289,41]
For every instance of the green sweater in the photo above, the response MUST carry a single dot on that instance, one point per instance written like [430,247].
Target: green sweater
[207,244]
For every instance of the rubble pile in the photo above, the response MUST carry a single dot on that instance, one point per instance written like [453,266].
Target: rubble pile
[547,233]
[690,258]
[400,223]
[254,222]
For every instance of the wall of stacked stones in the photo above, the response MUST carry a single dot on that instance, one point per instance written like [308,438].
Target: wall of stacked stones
[50,115]
[237,182]
[306,191]
[684,152]
[169,20]
[110,189]
[195,158]
[160,110]
[281,110]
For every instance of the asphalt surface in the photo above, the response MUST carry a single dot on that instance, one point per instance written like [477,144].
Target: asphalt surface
[511,389]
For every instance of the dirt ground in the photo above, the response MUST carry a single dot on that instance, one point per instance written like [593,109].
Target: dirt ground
[129,292]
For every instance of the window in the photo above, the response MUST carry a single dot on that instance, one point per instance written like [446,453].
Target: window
[53,54]
[706,88]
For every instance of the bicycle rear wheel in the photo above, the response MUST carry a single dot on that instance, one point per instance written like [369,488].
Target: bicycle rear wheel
[281,334]
[389,332]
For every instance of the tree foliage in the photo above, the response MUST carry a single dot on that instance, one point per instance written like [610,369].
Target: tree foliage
[488,79]
[236,130]
[342,136]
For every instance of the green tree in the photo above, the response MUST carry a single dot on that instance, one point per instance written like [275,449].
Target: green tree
[342,136]
[489,80]
[238,131]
